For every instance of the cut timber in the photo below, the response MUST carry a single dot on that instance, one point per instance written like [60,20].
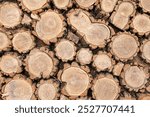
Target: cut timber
[62,97]
[18,89]
[73,37]
[1,82]
[26,20]
[105,88]
[4,41]
[145,4]
[144,97]
[62,4]
[118,69]
[84,56]
[148,88]
[33,5]
[134,77]
[108,5]
[145,49]
[35,16]
[23,42]
[47,90]
[65,50]
[140,21]
[85,3]
[10,15]
[77,81]
[39,64]
[10,64]
[120,18]
[102,62]
[50,26]
[79,19]
[97,34]
[124,46]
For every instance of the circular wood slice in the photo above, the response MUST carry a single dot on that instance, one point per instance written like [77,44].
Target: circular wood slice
[146,51]
[145,4]
[47,91]
[141,21]
[97,34]
[102,62]
[18,89]
[121,18]
[4,41]
[50,26]
[134,77]
[105,89]
[76,79]
[23,42]
[79,19]
[61,4]
[85,3]
[108,5]
[34,4]
[10,15]
[39,64]
[84,56]
[65,50]
[124,46]
[10,64]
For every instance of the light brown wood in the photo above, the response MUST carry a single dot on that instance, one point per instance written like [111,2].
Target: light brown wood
[10,64]
[146,50]
[73,37]
[105,89]
[26,20]
[85,3]
[23,41]
[33,5]
[144,97]
[148,88]
[118,69]
[108,5]
[39,64]
[140,21]
[65,50]
[1,82]
[134,77]
[4,41]
[102,62]
[61,4]
[84,56]
[50,26]
[145,4]
[10,15]
[18,89]
[47,90]
[97,34]
[74,49]
[124,46]
[120,18]
[79,19]
[77,81]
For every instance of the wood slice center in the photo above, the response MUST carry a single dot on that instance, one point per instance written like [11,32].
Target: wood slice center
[76,79]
